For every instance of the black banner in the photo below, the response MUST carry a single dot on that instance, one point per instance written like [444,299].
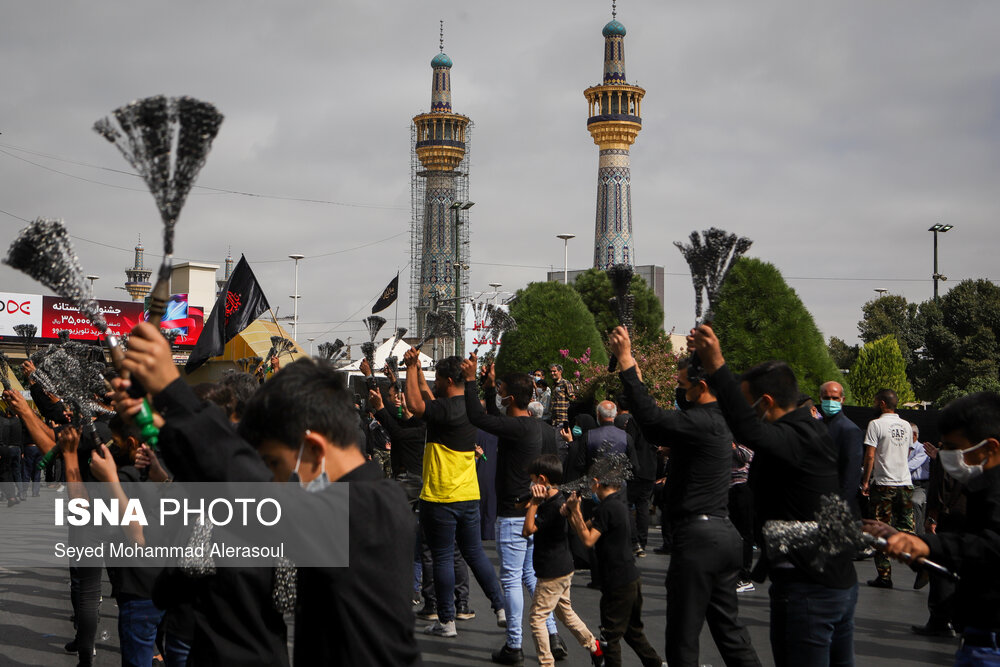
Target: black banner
[239,304]
[389,295]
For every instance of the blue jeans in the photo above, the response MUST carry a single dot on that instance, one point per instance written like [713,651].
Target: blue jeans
[137,621]
[516,568]
[175,651]
[812,624]
[979,656]
[445,524]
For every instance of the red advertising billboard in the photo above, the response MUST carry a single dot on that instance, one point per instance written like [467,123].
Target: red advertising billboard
[121,316]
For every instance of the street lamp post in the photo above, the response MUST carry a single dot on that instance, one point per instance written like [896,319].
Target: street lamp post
[881,291]
[310,345]
[937,276]
[456,207]
[92,279]
[565,238]
[496,291]
[295,298]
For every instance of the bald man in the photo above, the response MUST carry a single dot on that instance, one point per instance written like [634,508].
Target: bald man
[848,438]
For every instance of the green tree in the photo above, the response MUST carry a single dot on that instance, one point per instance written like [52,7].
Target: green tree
[961,344]
[550,317]
[843,355]
[758,317]
[595,289]
[880,365]
[951,392]
[893,315]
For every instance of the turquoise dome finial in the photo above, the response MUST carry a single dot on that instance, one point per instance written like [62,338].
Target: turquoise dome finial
[613,28]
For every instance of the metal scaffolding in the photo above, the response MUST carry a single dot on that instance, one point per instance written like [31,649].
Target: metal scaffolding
[418,204]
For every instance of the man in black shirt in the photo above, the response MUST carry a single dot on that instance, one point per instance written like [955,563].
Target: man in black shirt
[519,442]
[640,487]
[794,466]
[621,586]
[970,428]
[704,566]
[355,615]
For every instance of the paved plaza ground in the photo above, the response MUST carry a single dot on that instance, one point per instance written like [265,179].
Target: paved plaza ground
[35,621]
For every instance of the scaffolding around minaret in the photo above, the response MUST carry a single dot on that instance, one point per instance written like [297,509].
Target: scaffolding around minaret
[418,204]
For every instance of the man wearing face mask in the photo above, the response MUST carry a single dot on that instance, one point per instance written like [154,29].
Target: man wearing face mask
[519,442]
[303,426]
[887,475]
[794,466]
[849,441]
[970,454]
[707,548]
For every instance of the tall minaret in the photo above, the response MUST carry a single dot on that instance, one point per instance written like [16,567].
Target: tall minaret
[440,146]
[614,122]
[137,283]
[221,284]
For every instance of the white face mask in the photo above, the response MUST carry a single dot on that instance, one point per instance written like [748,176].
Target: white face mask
[953,462]
[322,480]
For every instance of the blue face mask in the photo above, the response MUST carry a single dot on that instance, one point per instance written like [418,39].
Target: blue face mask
[321,482]
[577,431]
[830,407]
[596,498]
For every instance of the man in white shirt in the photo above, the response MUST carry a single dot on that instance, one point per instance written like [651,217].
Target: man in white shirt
[886,478]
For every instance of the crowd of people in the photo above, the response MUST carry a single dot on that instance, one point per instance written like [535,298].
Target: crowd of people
[573,491]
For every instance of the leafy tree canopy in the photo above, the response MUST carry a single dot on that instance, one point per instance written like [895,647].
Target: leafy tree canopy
[595,289]
[550,317]
[843,355]
[758,317]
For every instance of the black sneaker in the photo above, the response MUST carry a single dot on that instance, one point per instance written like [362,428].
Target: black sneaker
[463,613]
[508,656]
[946,630]
[428,612]
[70,647]
[661,551]
[880,582]
[557,647]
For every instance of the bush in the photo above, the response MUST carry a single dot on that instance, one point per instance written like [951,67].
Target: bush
[550,317]
[594,287]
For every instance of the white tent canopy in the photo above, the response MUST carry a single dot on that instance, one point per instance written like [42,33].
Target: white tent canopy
[386,350]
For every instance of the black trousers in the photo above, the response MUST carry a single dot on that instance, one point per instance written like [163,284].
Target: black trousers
[741,514]
[621,618]
[639,493]
[85,595]
[701,586]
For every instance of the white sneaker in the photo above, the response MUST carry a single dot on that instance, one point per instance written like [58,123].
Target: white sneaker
[501,618]
[745,587]
[439,629]
[60,488]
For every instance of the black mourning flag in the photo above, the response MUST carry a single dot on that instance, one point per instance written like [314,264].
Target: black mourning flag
[240,303]
[389,295]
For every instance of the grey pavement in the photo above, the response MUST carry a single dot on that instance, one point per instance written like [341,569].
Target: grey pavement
[35,619]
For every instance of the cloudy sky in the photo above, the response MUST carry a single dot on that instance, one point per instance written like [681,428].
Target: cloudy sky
[833,134]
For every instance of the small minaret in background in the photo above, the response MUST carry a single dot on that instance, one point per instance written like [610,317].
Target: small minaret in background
[137,278]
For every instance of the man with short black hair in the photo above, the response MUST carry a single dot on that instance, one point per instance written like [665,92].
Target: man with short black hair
[449,501]
[704,566]
[887,475]
[794,466]
[303,425]
[970,428]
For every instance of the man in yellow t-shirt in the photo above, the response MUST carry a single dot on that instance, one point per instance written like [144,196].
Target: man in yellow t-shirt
[449,501]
